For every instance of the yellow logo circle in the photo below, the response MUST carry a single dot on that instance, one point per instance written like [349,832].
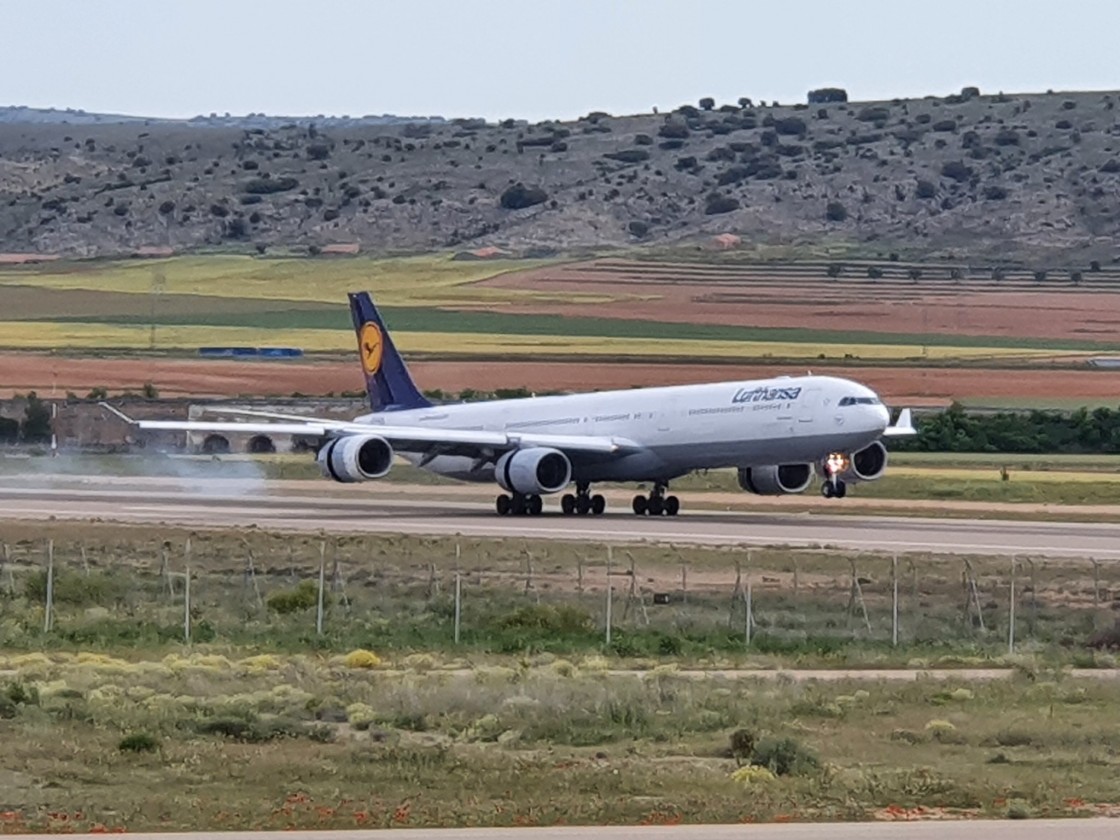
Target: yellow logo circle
[370,347]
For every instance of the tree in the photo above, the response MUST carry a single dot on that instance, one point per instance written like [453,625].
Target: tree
[836,212]
[707,103]
[831,94]
[36,426]
[9,430]
[835,269]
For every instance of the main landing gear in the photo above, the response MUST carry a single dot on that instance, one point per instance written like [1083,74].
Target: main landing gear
[834,489]
[657,503]
[519,504]
[582,502]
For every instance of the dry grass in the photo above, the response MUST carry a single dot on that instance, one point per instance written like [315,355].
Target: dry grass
[537,741]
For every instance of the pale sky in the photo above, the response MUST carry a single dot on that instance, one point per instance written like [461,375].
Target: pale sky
[535,59]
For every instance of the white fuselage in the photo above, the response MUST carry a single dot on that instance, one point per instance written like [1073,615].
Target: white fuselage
[678,429]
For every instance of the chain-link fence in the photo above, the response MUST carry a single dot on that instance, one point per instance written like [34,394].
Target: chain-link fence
[321,591]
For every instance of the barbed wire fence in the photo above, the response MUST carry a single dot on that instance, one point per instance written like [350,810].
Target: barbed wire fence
[761,596]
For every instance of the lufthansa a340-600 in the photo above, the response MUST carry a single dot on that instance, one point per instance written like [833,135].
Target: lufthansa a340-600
[779,433]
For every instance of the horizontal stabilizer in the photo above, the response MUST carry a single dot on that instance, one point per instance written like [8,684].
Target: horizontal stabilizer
[902,427]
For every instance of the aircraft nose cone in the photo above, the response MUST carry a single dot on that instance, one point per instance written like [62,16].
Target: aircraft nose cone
[882,416]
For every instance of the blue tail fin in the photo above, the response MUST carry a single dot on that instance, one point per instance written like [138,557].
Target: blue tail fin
[388,383]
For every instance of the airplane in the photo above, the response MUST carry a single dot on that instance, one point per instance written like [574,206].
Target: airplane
[777,433]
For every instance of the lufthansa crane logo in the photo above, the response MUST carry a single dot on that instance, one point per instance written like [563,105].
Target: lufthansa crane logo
[370,347]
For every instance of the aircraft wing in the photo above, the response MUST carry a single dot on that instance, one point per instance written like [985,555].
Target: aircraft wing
[420,439]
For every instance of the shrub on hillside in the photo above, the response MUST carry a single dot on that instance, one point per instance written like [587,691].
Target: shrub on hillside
[957,170]
[925,189]
[718,204]
[674,130]
[791,126]
[628,155]
[265,186]
[518,197]
[830,94]
[836,212]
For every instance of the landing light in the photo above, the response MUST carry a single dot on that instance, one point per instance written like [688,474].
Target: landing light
[836,463]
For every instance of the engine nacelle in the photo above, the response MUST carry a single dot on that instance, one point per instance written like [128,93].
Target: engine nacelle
[533,471]
[866,465]
[355,458]
[776,479]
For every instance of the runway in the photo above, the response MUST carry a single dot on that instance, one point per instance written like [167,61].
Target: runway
[1085,829]
[404,509]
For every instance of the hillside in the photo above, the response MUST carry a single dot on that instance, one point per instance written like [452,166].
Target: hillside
[1031,178]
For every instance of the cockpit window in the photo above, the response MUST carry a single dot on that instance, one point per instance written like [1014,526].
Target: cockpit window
[859,401]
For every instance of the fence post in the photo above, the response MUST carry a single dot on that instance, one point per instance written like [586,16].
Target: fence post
[187,605]
[1096,580]
[894,601]
[48,617]
[610,558]
[322,582]
[750,609]
[458,603]
[1011,611]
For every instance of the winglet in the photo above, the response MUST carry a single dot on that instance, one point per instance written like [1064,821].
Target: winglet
[388,383]
[119,413]
[902,427]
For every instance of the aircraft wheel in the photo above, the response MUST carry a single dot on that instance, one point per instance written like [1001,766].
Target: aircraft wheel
[567,504]
[534,505]
[503,504]
[640,505]
[583,504]
[598,504]
[517,505]
[827,489]
[656,506]
[841,489]
[672,505]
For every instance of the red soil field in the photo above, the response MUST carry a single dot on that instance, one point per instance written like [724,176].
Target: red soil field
[21,372]
[761,297]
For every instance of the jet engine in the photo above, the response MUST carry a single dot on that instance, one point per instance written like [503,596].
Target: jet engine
[533,471]
[776,479]
[866,465]
[355,458]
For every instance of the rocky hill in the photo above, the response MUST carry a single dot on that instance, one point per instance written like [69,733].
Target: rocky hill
[1028,177]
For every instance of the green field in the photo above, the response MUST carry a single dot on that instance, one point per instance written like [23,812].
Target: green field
[434,305]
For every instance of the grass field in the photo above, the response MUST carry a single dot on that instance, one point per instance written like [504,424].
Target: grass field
[432,279]
[109,721]
[217,741]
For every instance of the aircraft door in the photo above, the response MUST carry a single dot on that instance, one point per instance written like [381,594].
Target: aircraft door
[808,406]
